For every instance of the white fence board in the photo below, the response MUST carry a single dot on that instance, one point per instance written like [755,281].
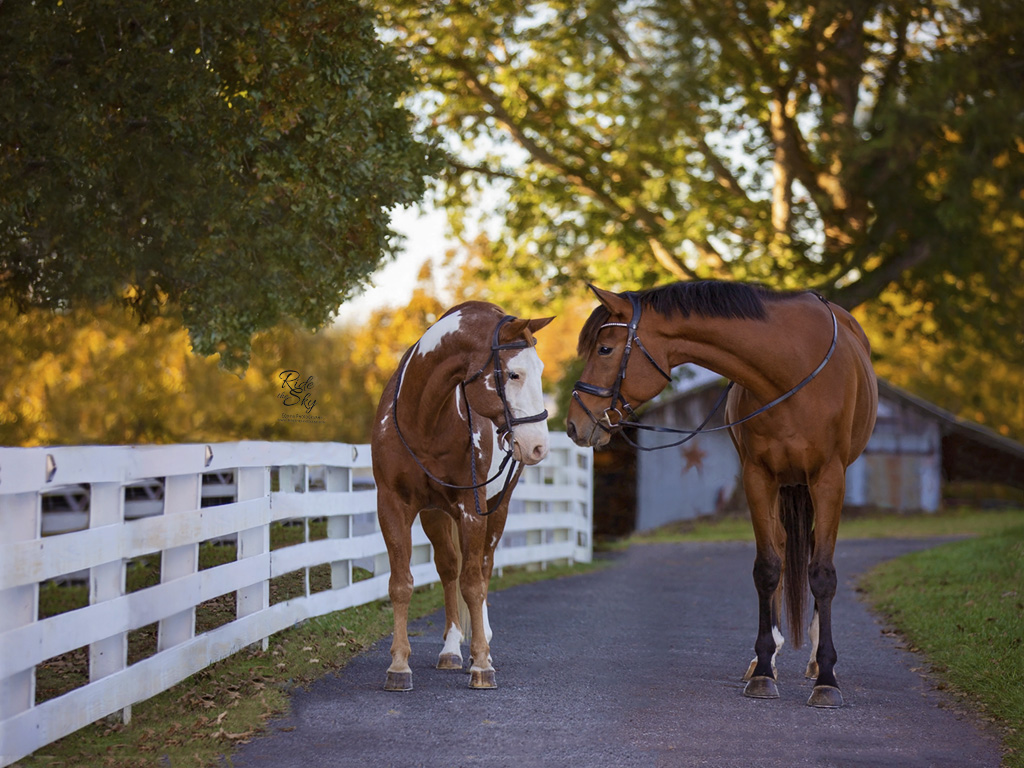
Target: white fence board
[552,511]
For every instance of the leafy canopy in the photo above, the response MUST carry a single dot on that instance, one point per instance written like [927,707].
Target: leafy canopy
[848,146]
[236,160]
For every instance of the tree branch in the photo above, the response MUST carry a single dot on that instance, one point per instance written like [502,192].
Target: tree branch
[644,219]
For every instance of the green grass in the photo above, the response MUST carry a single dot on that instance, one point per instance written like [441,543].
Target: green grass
[962,606]
[201,719]
[955,522]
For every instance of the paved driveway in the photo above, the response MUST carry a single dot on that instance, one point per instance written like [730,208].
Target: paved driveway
[635,665]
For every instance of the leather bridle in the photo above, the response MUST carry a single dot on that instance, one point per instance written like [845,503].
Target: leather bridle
[614,393]
[506,431]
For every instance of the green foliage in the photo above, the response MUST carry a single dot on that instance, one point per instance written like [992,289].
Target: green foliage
[235,160]
[963,607]
[847,147]
[913,350]
[951,522]
[99,377]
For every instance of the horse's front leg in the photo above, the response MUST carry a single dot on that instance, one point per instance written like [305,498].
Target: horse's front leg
[762,497]
[398,537]
[474,592]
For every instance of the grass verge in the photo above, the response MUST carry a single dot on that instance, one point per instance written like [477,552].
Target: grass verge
[956,522]
[962,606]
[201,719]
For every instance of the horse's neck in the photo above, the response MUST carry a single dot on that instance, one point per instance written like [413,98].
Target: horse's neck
[762,356]
[429,394]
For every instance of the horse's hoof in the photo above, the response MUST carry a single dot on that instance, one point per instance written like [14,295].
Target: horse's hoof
[761,687]
[449,661]
[825,697]
[811,673]
[398,681]
[482,679]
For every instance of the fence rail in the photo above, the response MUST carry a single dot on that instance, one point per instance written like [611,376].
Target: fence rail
[82,514]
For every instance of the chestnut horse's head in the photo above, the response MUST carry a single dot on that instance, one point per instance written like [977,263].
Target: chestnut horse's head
[620,372]
[506,387]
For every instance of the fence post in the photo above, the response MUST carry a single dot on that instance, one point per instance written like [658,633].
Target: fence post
[106,582]
[20,520]
[339,526]
[182,493]
[253,483]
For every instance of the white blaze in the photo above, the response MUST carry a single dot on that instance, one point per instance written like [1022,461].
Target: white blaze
[526,398]
[435,334]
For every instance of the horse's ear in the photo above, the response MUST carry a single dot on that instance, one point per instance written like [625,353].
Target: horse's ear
[537,323]
[513,329]
[613,302]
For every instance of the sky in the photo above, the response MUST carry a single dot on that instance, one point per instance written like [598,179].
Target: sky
[425,238]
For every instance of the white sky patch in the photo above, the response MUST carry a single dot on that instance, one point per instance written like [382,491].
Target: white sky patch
[436,333]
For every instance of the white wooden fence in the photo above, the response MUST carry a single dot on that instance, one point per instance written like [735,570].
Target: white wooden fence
[114,504]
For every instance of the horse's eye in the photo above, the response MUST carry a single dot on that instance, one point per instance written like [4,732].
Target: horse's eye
[604,351]
[513,377]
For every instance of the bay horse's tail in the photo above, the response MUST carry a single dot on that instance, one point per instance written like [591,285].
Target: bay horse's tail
[797,514]
[465,625]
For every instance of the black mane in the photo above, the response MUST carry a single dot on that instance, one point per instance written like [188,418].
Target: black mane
[706,298]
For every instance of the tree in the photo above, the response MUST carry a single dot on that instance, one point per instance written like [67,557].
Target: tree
[233,160]
[846,146]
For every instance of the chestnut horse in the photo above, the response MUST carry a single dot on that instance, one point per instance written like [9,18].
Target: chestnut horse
[466,392]
[801,409]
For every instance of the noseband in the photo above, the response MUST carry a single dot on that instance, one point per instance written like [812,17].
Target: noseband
[506,431]
[614,393]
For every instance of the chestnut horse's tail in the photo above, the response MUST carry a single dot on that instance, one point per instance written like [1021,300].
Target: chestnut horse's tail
[797,514]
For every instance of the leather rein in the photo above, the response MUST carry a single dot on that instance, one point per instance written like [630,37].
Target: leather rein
[614,393]
[505,431]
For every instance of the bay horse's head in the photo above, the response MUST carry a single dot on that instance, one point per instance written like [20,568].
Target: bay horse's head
[614,380]
[504,381]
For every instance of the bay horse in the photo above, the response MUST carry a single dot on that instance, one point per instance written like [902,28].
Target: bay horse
[464,394]
[801,408]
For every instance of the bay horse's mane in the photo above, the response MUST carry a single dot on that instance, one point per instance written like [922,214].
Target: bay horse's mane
[707,298]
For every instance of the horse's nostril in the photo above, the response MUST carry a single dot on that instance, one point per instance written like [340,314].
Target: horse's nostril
[570,430]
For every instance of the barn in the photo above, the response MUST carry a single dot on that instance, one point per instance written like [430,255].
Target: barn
[916,453]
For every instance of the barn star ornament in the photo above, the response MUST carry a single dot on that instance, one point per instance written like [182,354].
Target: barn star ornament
[694,457]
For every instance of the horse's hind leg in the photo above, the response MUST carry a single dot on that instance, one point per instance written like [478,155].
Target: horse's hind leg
[827,494]
[438,527]
[812,664]
[398,537]
[776,635]
[761,683]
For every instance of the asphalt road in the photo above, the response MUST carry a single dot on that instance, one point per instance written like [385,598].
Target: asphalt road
[638,664]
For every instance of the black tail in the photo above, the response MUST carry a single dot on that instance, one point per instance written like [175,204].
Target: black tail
[797,515]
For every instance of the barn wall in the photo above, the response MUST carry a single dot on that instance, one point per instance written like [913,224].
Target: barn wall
[901,469]
[699,477]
